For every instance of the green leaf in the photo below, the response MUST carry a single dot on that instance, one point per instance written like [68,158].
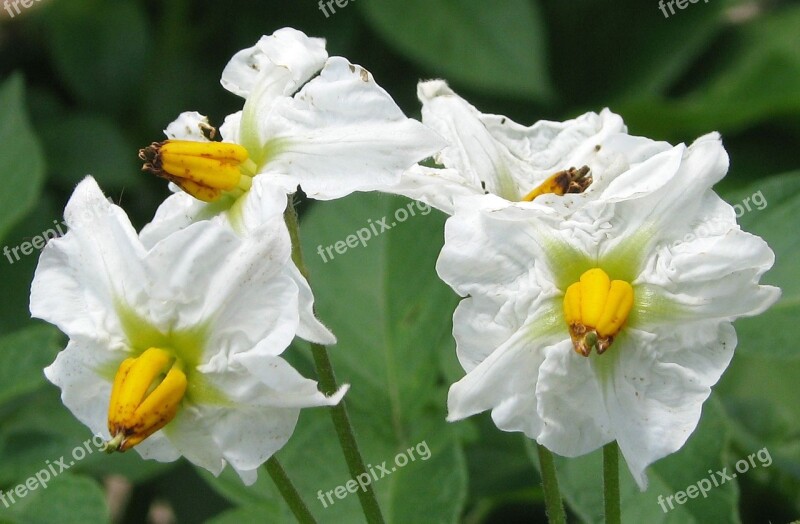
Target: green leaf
[760,81]
[66,499]
[580,480]
[498,466]
[769,209]
[21,160]
[391,315]
[603,56]
[497,47]
[256,513]
[39,428]
[81,145]
[23,356]
[760,397]
[100,50]
[18,264]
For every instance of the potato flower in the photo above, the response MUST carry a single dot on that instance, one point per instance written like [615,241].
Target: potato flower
[175,349]
[611,322]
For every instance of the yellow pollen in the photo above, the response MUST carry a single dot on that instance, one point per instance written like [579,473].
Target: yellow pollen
[595,309]
[568,181]
[205,170]
[145,397]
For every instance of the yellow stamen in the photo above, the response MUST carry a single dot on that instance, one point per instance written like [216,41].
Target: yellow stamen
[568,181]
[145,397]
[205,170]
[596,309]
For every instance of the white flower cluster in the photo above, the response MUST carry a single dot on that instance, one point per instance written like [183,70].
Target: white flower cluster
[598,304]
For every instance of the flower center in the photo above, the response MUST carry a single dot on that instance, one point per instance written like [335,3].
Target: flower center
[203,169]
[596,308]
[568,181]
[145,397]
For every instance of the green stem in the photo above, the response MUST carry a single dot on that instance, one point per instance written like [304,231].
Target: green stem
[289,492]
[552,496]
[328,385]
[611,483]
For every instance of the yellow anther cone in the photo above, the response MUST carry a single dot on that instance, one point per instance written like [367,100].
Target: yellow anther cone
[568,181]
[596,308]
[205,170]
[145,397]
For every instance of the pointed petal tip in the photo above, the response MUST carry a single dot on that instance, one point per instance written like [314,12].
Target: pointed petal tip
[429,89]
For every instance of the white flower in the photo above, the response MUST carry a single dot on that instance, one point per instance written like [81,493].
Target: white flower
[661,335]
[204,307]
[308,119]
[492,154]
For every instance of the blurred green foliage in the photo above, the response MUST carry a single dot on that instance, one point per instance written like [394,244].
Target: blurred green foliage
[85,83]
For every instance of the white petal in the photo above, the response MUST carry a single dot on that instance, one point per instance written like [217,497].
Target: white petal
[712,274]
[492,152]
[310,327]
[625,152]
[189,125]
[505,383]
[276,383]
[481,324]
[484,322]
[570,403]
[206,273]
[265,395]
[82,274]
[231,127]
[175,213]
[343,133]
[436,187]
[689,174]
[264,203]
[83,390]
[285,49]
[158,447]
[489,249]
[190,432]
[657,386]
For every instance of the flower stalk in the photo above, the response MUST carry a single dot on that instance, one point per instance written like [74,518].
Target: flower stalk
[611,483]
[289,492]
[327,383]
[552,496]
